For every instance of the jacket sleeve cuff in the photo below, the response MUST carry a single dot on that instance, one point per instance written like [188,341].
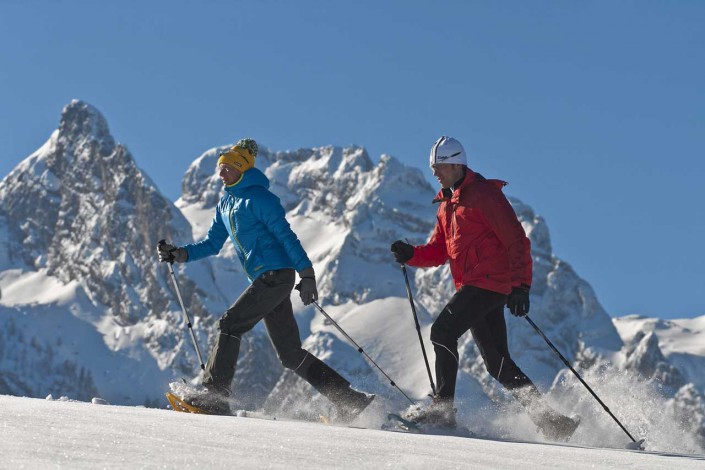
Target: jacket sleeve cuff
[307,273]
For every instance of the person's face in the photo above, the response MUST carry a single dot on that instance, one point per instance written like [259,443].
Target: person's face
[228,175]
[446,174]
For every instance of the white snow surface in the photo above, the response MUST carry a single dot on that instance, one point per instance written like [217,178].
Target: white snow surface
[38,433]
[18,286]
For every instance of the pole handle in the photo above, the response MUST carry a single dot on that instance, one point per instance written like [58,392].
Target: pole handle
[162,242]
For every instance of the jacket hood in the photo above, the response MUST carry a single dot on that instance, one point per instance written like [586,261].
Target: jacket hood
[250,178]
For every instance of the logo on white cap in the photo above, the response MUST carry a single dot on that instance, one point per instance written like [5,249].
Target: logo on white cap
[448,151]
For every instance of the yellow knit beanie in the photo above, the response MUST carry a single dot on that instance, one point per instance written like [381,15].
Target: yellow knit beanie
[241,156]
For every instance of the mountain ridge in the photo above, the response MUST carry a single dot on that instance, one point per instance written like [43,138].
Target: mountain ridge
[346,210]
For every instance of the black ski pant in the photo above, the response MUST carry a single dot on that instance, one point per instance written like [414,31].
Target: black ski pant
[267,298]
[482,312]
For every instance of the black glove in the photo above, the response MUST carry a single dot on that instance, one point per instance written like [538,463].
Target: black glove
[403,252]
[518,301]
[307,286]
[169,253]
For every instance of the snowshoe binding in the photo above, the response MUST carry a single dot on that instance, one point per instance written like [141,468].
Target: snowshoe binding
[437,418]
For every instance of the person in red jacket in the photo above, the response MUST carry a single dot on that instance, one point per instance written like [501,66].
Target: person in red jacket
[479,234]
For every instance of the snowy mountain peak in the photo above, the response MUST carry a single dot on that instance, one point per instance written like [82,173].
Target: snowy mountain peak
[83,121]
[645,357]
[303,167]
[85,223]
[86,211]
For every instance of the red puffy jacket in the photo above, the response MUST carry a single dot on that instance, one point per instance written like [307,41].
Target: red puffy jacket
[479,232]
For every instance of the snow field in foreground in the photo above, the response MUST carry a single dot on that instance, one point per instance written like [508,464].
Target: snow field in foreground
[39,433]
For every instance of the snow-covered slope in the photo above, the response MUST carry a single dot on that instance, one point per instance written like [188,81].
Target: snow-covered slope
[85,310]
[43,434]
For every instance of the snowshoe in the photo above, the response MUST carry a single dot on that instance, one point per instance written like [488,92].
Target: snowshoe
[177,404]
[353,406]
[440,415]
[398,423]
[556,427]
[201,401]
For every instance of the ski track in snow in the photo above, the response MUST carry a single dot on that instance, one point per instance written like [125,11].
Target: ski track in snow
[39,433]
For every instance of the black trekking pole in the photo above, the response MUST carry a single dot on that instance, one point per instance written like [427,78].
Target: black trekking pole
[418,327]
[567,364]
[359,349]
[183,309]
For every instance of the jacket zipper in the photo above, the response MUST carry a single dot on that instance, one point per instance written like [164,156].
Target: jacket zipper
[242,250]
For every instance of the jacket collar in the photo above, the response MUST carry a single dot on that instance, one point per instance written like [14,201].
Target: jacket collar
[453,195]
[250,178]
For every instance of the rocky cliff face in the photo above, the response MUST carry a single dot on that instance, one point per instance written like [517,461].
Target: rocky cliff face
[81,213]
[83,210]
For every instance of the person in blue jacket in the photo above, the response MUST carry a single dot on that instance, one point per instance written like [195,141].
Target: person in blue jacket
[271,254]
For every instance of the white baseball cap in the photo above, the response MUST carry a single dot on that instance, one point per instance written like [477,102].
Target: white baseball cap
[447,151]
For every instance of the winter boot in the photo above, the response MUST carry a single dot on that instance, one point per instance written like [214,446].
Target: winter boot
[209,401]
[555,426]
[351,403]
[439,414]
[348,401]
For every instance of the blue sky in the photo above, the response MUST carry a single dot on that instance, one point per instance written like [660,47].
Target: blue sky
[593,111]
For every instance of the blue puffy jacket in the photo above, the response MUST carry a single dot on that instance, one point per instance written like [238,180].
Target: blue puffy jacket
[255,220]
